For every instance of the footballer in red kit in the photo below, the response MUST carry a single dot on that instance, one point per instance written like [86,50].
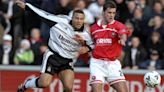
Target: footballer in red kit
[109,36]
[106,39]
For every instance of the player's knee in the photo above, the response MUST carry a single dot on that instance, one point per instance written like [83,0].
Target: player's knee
[120,87]
[124,89]
[68,88]
[43,83]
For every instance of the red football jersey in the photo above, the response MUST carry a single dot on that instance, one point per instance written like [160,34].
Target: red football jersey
[106,39]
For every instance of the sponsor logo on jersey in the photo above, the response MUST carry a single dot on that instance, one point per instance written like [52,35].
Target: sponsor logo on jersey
[67,41]
[104,40]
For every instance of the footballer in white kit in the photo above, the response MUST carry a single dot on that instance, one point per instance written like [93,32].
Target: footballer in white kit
[69,37]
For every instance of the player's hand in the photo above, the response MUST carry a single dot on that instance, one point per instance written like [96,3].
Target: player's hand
[122,42]
[83,50]
[20,3]
[79,39]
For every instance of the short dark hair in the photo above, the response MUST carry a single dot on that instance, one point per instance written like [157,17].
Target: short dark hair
[109,4]
[78,11]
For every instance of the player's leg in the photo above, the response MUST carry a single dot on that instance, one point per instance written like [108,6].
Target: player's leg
[47,70]
[97,75]
[120,86]
[44,79]
[67,79]
[97,87]
[116,77]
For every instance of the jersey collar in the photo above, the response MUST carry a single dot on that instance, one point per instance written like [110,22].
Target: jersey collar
[99,22]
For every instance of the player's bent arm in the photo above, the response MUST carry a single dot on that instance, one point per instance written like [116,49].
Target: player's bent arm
[123,39]
[89,45]
[83,50]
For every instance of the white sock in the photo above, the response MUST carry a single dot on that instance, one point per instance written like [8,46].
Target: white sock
[31,83]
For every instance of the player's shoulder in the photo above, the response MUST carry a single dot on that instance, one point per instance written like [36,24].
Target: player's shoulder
[94,27]
[86,29]
[97,24]
[67,18]
[119,24]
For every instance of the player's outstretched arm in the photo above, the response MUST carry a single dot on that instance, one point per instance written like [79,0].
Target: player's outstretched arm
[23,6]
[43,14]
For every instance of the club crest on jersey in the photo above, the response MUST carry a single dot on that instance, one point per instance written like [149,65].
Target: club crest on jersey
[114,34]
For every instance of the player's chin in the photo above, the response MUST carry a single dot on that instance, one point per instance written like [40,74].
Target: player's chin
[78,26]
[110,20]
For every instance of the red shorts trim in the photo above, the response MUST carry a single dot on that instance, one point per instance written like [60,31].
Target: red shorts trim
[95,81]
[115,81]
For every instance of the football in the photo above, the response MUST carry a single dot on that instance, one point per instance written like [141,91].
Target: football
[152,79]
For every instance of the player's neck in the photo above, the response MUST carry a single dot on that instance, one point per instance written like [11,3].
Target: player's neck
[106,22]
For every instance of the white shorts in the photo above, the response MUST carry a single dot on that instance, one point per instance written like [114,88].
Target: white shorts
[105,71]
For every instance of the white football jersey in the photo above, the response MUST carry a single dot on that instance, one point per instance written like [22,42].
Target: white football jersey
[62,34]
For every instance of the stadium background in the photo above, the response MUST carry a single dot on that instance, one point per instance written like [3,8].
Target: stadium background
[24,33]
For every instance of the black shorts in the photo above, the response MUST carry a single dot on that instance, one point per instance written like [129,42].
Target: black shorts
[54,63]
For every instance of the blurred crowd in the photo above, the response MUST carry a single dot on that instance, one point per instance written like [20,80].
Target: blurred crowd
[24,36]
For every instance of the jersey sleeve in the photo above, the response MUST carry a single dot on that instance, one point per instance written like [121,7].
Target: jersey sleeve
[46,15]
[89,41]
[122,30]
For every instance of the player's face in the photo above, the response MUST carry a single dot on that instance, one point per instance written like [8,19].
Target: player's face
[78,20]
[109,14]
